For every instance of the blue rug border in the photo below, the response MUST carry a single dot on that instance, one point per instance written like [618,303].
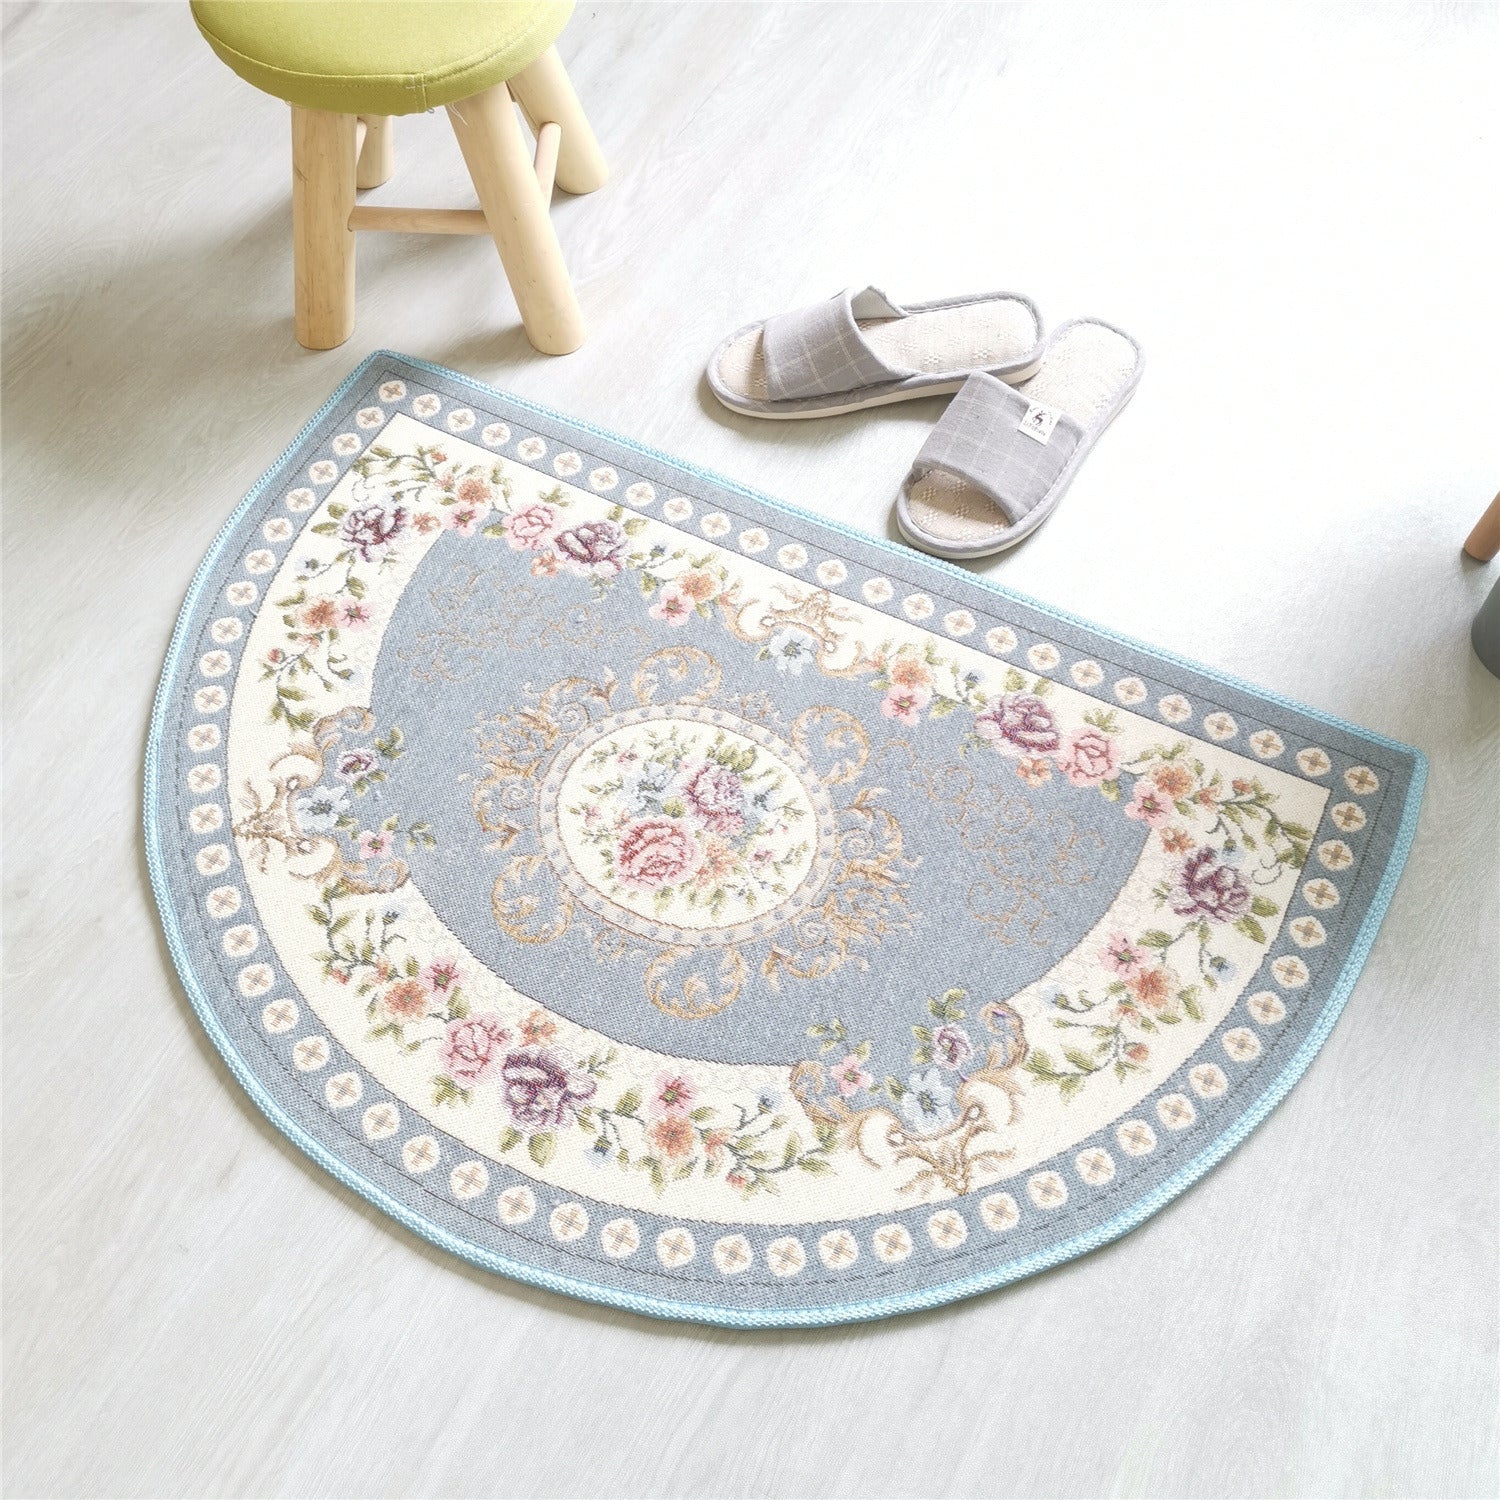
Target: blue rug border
[853,1312]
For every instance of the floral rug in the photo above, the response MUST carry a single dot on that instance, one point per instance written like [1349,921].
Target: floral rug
[652,892]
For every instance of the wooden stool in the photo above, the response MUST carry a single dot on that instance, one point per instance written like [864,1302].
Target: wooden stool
[347,67]
[1484,540]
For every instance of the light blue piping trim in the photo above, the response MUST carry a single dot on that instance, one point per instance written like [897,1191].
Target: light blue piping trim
[728,1317]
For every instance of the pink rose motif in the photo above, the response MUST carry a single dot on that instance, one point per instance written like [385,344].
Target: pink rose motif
[1150,805]
[851,1076]
[673,606]
[1018,724]
[530,528]
[542,1088]
[655,852]
[717,795]
[441,975]
[1089,757]
[905,704]
[373,845]
[464,519]
[370,529]
[595,549]
[675,1094]
[1123,956]
[472,1049]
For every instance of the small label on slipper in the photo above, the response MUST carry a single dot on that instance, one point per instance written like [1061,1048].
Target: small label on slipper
[1038,421]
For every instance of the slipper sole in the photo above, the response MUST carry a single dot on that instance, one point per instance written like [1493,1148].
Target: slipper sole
[890,398]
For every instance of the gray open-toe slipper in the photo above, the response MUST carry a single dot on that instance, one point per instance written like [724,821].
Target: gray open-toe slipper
[860,349]
[999,460]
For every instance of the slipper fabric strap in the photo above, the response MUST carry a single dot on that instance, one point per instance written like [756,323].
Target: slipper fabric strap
[982,438]
[819,351]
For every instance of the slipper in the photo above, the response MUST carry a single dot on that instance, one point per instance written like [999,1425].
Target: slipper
[860,349]
[999,460]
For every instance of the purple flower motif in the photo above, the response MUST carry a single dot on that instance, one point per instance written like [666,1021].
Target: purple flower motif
[717,795]
[542,1088]
[372,528]
[593,548]
[353,764]
[951,1046]
[1018,724]
[1206,887]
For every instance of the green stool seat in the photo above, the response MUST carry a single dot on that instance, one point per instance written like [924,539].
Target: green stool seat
[348,67]
[378,57]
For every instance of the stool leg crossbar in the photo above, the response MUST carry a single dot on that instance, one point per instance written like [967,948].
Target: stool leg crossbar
[334,155]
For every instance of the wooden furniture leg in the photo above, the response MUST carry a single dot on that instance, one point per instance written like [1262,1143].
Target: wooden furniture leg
[323,170]
[545,94]
[490,137]
[377,156]
[548,140]
[1484,540]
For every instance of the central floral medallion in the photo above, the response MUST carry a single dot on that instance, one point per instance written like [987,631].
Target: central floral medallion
[688,825]
[701,834]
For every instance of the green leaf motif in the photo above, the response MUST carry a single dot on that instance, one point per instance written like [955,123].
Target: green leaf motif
[1251,928]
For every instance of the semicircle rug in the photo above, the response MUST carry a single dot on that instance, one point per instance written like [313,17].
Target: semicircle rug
[653,892]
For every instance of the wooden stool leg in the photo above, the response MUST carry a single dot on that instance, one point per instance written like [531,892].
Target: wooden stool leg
[322,242]
[490,137]
[545,92]
[377,157]
[1484,540]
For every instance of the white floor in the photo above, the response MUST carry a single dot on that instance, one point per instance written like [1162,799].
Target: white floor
[1295,211]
